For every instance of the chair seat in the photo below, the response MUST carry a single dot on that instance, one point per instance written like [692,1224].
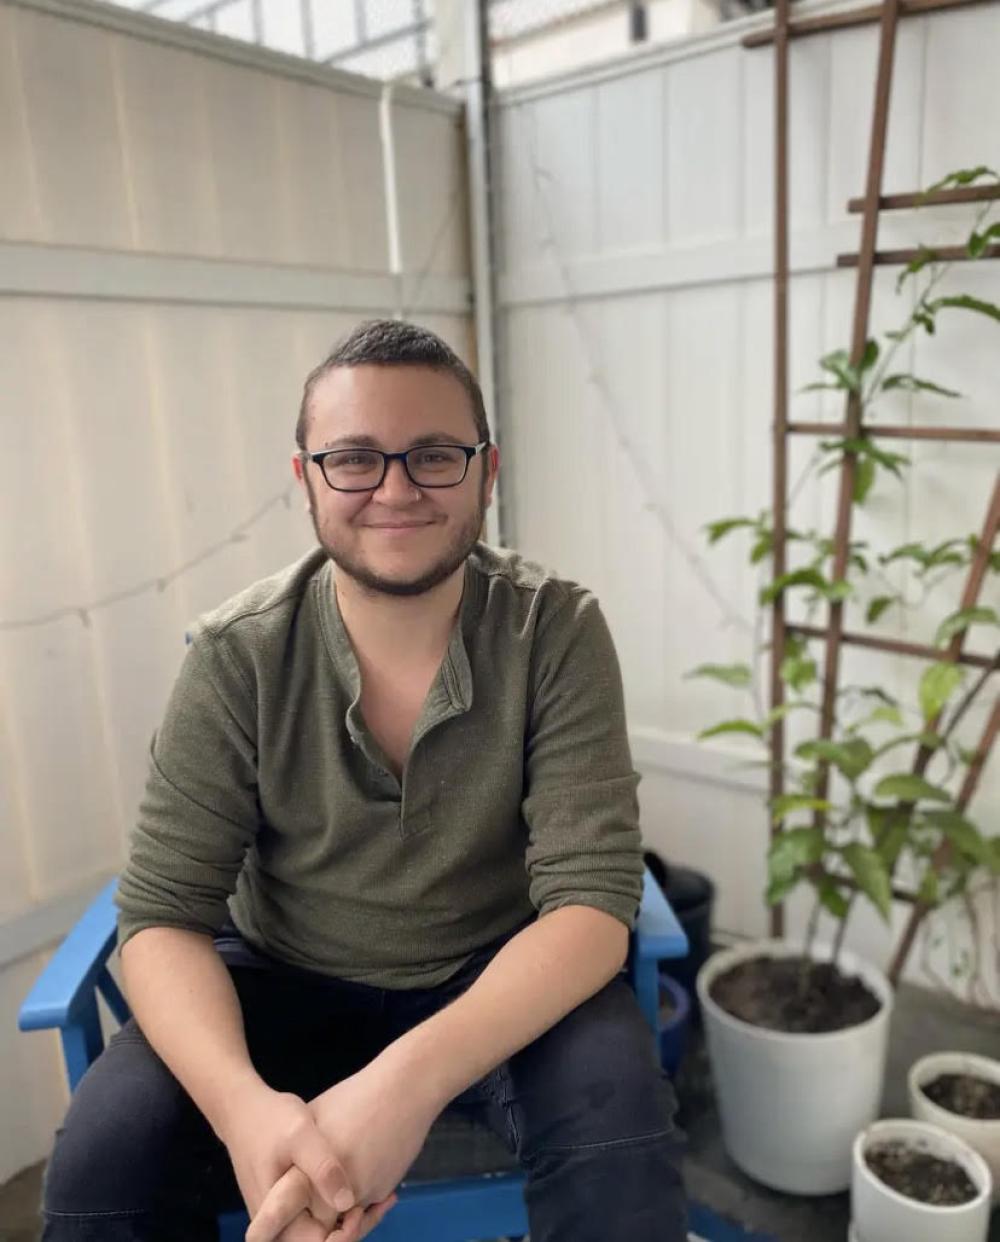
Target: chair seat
[459,1146]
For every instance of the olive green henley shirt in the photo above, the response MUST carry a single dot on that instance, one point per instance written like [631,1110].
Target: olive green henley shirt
[268,801]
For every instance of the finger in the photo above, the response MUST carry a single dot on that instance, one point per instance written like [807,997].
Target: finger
[373,1215]
[304,1228]
[348,1230]
[287,1198]
[361,1221]
[316,1159]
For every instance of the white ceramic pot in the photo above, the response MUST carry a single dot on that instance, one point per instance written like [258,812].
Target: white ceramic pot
[880,1214]
[984,1136]
[791,1105]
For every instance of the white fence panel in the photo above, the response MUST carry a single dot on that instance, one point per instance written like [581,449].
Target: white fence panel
[636,365]
[186,225]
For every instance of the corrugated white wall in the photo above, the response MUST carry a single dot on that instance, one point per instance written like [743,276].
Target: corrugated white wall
[636,366]
[186,225]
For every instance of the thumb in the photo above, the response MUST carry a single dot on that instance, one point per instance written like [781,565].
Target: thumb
[314,1156]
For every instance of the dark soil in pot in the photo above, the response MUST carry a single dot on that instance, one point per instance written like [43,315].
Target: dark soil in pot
[919,1175]
[795,995]
[966,1095]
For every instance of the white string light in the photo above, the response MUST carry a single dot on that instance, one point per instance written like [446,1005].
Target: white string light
[84,612]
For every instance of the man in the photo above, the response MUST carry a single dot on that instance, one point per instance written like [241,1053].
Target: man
[388,859]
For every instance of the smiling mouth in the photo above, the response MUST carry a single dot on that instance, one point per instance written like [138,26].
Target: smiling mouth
[400,526]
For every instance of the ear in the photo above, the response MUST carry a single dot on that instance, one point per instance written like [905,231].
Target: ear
[492,467]
[299,470]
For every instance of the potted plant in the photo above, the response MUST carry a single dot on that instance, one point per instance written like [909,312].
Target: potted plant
[915,1181]
[797,1031]
[960,1092]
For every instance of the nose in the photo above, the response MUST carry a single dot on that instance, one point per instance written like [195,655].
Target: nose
[397,484]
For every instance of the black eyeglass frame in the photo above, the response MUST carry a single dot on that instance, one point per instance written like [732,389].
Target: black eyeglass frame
[470,451]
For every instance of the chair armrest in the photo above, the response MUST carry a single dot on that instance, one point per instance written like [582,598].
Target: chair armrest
[658,934]
[66,986]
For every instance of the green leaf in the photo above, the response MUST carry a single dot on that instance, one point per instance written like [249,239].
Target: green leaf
[797,672]
[871,874]
[788,804]
[945,554]
[870,356]
[838,590]
[851,757]
[779,713]
[793,849]
[910,383]
[961,620]
[964,301]
[763,547]
[890,829]
[906,551]
[916,264]
[731,726]
[937,685]
[878,606]
[864,478]
[928,891]
[738,675]
[891,461]
[909,787]
[962,833]
[839,364]
[889,714]
[979,241]
[963,176]
[833,899]
[931,740]
[798,577]
[871,692]
[717,530]
[778,890]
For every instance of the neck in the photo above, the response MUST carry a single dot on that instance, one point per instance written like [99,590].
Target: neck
[399,627]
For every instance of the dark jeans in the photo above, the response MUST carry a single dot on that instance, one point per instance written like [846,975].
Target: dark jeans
[586,1110]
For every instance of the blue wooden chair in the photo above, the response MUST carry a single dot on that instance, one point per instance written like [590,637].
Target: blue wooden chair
[465,1184]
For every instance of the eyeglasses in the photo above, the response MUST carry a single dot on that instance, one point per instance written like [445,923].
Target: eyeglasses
[427,465]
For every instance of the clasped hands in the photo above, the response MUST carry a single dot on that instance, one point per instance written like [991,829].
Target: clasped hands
[326,1170]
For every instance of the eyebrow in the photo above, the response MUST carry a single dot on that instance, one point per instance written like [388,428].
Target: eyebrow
[432,437]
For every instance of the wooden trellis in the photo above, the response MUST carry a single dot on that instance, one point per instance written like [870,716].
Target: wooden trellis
[867,258]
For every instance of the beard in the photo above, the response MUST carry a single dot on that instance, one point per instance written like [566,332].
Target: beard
[454,555]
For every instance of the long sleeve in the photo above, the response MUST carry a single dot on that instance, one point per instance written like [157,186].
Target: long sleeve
[200,812]
[580,787]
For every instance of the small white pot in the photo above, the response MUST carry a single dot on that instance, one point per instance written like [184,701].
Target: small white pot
[791,1105]
[880,1214]
[984,1136]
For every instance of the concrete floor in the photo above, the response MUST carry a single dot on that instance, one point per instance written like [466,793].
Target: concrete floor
[923,1022]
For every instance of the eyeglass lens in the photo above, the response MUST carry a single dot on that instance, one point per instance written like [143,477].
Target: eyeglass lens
[431,465]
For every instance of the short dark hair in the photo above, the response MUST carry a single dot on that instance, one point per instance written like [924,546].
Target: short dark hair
[393,343]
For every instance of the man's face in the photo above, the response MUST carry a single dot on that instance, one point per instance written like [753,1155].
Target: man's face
[399,539]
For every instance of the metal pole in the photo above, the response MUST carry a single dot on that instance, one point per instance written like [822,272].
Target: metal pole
[478,98]
[780,431]
[308,32]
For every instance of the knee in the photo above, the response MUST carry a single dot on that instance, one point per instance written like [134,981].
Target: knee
[593,1081]
[112,1151]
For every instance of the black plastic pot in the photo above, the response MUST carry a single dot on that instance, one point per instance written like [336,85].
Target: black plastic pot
[691,894]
